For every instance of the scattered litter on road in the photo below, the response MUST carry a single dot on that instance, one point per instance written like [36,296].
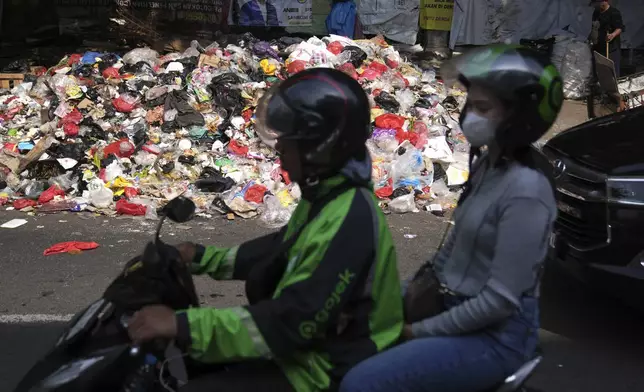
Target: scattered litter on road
[14,223]
[72,247]
[410,236]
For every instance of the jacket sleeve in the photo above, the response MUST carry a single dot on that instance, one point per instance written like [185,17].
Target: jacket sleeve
[234,263]
[520,249]
[310,301]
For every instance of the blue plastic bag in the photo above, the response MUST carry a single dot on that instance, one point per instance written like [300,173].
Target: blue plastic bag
[90,57]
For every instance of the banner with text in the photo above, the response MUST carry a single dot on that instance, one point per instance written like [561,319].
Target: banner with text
[436,14]
[258,13]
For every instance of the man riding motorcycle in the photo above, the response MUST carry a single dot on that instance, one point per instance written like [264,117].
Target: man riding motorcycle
[324,291]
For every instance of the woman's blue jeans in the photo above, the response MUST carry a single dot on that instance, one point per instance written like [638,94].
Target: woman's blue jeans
[468,363]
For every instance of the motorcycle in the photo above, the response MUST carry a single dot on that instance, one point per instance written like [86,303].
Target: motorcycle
[94,353]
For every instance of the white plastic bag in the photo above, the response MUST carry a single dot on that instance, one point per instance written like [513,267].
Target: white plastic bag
[406,169]
[99,195]
[403,204]
[113,170]
[274,214]
[142,54]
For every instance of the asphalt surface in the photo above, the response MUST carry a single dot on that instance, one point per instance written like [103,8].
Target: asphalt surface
[591,342]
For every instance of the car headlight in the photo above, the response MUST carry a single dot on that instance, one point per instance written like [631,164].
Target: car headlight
[69,372]
[626,190]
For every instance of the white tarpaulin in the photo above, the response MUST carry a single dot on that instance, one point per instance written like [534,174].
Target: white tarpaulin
[395,19]
[481,22]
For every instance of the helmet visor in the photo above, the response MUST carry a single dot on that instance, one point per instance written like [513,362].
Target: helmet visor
[274,118]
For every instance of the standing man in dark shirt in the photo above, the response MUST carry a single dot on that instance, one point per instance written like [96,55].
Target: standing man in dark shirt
[610,27]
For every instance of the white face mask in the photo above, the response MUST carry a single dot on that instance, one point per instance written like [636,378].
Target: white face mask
[479,131]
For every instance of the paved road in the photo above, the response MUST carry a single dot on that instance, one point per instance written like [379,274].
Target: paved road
[592,344]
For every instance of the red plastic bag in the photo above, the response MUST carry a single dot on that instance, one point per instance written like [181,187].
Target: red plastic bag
[401,136]
[335,47]
[124,207]
[237,148]
[247,114]
[391,63]
[123,105]
[74,58]
[384,192]
[70,123]
[255,193]
[24,203]
[111,73]
[74,117]
[349,69]
[121,148]
[379,67]
[73,247]
[296,66]
[50,193]
[370,74]
[71,129]
[390,121]
[130,192]
[285,176]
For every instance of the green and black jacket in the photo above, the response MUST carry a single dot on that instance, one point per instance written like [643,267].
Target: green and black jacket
[327,301]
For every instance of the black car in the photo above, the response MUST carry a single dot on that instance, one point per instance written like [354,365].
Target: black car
[598,168]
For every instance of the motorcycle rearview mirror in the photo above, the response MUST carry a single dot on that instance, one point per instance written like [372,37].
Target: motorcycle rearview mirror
[179,210]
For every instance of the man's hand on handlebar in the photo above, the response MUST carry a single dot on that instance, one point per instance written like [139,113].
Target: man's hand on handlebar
[151,322]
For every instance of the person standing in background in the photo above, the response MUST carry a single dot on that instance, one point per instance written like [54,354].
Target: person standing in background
[608,21]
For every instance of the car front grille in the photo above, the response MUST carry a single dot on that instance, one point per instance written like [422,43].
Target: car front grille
[581,201]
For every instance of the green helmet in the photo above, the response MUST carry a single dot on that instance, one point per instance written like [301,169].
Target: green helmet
[524,79]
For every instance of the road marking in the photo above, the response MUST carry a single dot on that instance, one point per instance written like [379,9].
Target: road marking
[34,318]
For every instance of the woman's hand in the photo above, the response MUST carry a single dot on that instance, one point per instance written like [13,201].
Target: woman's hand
[151,322]
[187,250]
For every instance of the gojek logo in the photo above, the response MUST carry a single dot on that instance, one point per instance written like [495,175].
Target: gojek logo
[309,328]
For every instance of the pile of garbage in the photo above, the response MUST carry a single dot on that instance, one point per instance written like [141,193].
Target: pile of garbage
[122,135]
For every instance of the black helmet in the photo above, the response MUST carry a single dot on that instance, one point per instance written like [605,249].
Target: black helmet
[324,111]
[522,78]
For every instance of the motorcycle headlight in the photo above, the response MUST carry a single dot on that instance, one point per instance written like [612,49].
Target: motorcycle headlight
[69,372]
[626,190]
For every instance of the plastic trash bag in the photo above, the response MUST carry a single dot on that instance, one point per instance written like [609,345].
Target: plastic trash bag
[50,193]
[403,204]
[387,102]
[124,207]
[99,195]
[406,99]
[407,169]
[358,56]
[147,55]
[385,139]
[264,49]
[274,214]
